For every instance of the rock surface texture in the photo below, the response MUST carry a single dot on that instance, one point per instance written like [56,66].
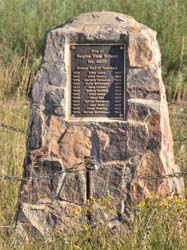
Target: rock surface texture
[54,194]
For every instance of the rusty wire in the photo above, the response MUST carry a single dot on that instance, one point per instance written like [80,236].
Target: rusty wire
[20,130]
[12,128]
[133,176]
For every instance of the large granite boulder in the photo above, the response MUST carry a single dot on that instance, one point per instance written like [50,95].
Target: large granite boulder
[54,193]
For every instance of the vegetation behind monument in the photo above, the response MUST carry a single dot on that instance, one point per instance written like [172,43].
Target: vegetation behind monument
[22,27]
[24,23]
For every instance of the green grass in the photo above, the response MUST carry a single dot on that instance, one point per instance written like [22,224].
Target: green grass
[12,150]
[154,228]
[24,23]
[178,121]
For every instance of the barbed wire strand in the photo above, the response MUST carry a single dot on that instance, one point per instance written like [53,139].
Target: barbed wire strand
[20,130]
[131,176]
[12,128]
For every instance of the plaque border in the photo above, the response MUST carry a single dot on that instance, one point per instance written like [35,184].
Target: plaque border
[69,115]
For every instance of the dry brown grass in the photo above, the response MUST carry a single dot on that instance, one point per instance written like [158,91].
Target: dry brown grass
[155,228]
[178,120]
[17,74]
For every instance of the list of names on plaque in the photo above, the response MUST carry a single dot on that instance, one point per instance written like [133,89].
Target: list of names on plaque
[97,80]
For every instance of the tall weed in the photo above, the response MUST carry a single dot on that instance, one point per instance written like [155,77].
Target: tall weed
[24,22]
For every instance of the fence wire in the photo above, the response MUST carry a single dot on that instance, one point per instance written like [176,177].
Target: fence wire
[134,176]
[20,130]
[131,176]
[94,168]
[12,128]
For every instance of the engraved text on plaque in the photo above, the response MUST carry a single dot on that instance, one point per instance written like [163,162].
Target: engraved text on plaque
[97,81]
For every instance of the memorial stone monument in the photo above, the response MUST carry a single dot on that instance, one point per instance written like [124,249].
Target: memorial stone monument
[99,118]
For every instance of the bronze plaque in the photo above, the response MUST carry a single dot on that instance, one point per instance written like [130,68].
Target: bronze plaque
[98,80]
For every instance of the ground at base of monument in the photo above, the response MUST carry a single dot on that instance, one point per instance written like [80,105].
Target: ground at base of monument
[150,228]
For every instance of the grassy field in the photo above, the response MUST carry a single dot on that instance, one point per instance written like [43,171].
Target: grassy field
[159,224]
[24,22]
[22,27]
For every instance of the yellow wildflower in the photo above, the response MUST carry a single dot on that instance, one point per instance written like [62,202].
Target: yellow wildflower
[85,227]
